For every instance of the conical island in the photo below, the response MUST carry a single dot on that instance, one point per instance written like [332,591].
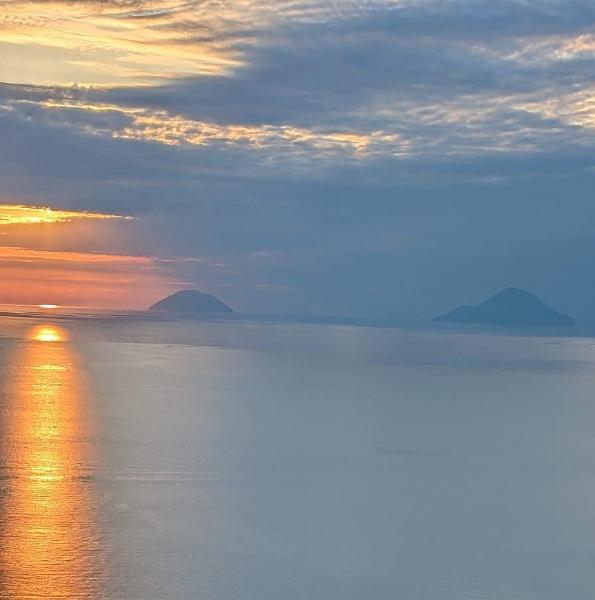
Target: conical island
[510,308]
[191,301]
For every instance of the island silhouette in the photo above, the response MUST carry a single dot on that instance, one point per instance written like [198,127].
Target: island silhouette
[191,301]
[510,308]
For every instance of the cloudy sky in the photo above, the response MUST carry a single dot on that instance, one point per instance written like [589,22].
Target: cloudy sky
[370,157]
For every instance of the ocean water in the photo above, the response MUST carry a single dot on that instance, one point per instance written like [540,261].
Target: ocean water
[247,461]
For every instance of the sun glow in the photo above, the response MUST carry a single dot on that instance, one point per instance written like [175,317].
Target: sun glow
[48,306]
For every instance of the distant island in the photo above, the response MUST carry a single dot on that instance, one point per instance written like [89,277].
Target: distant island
[510,308]
[191,301]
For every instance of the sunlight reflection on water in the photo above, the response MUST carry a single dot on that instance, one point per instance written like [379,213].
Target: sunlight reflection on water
[47,333]
[49,538]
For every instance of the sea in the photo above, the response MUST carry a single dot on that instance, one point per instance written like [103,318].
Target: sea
[153,459]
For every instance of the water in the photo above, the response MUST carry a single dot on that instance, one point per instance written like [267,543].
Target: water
[253,461]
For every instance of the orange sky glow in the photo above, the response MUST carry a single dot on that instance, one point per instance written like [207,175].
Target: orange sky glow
[70,277]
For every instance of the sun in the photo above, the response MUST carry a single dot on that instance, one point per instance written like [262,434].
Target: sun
[48,306]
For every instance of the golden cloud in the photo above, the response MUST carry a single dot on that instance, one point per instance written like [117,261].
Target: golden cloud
[95,43]
[163,127]
[105,42]
[21,214]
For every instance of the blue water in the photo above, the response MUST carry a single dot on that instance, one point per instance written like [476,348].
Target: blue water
[267,461]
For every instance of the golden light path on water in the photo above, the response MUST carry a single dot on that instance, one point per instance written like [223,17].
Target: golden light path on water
[49,545]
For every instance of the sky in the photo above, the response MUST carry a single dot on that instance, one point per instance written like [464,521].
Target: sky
[382,158]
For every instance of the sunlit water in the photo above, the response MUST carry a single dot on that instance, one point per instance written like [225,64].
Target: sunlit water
[49,527]
[244,461]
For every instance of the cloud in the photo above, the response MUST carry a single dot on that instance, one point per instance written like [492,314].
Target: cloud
[404,129]
[376,79]
[124,43]
[103,43]
[347,157]
[161,127]
[19,214]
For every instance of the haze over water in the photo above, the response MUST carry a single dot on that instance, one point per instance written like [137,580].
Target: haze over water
[253,461]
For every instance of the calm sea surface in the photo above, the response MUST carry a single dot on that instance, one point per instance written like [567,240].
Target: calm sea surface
[244,461]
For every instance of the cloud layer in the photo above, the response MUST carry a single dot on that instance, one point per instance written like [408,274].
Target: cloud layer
[376,157]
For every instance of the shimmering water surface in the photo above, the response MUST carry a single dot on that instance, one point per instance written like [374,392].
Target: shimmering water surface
[266,461]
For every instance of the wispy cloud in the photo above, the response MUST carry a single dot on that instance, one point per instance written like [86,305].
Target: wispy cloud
[105,43]
[476,124]
[575,108]
[20,214]
[278,142]
[137,42]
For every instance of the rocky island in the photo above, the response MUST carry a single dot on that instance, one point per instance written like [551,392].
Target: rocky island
[509,308]
[191,301]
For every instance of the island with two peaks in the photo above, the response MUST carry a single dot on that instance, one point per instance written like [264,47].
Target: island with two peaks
[509,308]
[192,301]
